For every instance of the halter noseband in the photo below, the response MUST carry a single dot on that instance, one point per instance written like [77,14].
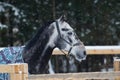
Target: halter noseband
[72,45]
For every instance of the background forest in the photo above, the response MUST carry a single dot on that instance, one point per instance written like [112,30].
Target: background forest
[97,22]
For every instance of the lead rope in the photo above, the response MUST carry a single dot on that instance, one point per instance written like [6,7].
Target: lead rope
[67,56]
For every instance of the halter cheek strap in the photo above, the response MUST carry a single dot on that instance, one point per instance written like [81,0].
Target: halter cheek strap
[72,45]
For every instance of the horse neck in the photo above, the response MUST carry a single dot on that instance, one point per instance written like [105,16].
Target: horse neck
[38,55]
[43,60]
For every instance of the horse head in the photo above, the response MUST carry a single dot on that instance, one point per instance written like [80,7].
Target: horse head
[67,40]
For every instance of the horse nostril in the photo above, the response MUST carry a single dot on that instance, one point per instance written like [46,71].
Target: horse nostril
[84,53]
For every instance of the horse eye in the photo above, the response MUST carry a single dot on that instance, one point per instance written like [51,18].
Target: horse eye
[69,33]
[65,29]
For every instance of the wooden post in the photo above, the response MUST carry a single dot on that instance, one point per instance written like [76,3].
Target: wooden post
[16,71]
[117,66]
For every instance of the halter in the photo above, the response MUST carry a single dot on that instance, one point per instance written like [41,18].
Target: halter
[72,45]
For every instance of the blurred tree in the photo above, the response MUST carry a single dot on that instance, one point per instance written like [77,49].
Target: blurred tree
[95,21]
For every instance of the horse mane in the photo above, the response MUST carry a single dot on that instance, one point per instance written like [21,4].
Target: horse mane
[37,35]
[33,53]
[34,47]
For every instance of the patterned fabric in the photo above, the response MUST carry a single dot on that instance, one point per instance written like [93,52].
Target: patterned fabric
[10,55]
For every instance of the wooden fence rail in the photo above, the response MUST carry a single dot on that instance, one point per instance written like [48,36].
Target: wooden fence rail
[77,76]
[93,50]
[96,50]
[20,72]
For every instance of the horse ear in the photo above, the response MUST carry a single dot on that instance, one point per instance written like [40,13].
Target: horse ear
[63,18]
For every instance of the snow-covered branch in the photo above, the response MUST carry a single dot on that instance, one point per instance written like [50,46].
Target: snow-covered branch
[3,26]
